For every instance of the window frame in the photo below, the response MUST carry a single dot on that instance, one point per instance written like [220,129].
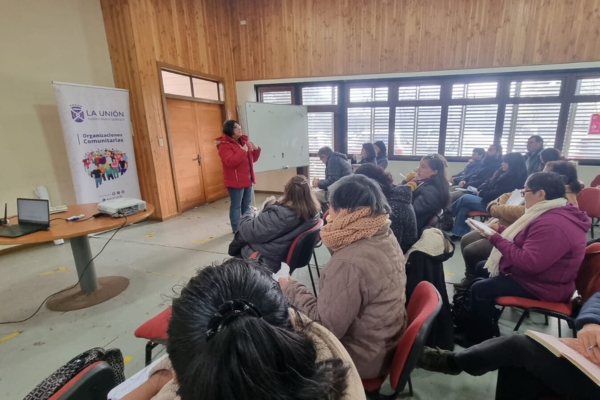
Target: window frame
[566,97]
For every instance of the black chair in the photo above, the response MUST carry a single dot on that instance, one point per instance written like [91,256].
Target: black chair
[302,249]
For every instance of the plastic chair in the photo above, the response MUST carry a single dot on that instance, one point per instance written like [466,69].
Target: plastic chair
[425,304]
[435,220]
[596,181]
[155,331]
[301,250]
[587,283]
[589,201]
[483,215]
[93,383]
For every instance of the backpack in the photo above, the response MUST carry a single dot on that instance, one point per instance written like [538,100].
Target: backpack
[461,307]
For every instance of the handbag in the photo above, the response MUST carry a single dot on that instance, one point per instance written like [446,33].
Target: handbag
[461,307]
[236,245]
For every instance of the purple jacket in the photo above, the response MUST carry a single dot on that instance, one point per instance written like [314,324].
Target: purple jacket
[545,256]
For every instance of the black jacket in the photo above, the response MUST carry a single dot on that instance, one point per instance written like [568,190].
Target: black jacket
[501,184]
[271,233]
[427,202]
[533,162]
[404,220]
[336,168]
[490,165]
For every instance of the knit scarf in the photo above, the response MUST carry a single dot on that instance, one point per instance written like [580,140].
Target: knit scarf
[348,227]
[493,262]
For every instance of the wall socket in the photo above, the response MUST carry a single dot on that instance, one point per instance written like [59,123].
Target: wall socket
[160,142]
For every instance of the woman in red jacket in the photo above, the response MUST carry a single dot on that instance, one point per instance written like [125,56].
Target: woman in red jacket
[238,156]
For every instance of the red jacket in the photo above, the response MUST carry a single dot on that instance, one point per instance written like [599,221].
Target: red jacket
[238,165]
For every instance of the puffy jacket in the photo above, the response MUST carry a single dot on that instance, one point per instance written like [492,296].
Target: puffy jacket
[361,300]
[382,161]
[490,165]
[336,168]
[238,165]
[590,312]
[470,170]
[545,256]
[533,162]
[504,183]
[404,220]
[427,203]
[509,214]
[271,233]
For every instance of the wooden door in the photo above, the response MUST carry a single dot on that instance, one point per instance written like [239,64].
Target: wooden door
[184,143]
[209,123]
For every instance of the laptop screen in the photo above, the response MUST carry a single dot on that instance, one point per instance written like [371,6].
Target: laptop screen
[32,211]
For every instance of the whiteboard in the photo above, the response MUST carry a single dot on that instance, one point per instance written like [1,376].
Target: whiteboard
[281,131]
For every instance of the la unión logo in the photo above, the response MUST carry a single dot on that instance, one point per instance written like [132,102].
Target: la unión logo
[77,113]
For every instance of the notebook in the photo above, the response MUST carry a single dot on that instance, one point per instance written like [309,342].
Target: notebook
[559,349]
[474,224]
[515,199]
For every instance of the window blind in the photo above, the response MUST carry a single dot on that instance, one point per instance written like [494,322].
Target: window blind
[277,97]
[578,143]
[469,127]
[417,130]
[367,125]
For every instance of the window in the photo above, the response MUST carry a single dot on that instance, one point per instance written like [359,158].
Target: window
[470,126]
[535,88]
[181,84]
[423,92]
[527,120]
[588,87]
[367,125]
[176,84]
[417,130]
[320,133]
[578,143]
[319,95]
[204,89]
[277,97]
[476,90]
[364,95]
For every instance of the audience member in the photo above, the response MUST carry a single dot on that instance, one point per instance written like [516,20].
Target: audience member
[214,357]
[475,248]
[368,155]
[535,145]
[336,167]
[404,221]
[548,155]
[537,257]
[491,162]
[510,176]
[430,189]
[474,165]
[362,288]
[271,231]
[381,151]
[541,374]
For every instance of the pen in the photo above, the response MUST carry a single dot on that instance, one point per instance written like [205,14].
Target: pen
[592,347]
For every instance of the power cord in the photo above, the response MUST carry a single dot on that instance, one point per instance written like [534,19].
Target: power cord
[78,280]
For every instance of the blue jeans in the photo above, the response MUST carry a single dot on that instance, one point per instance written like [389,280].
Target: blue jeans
[240,204]
[460,209]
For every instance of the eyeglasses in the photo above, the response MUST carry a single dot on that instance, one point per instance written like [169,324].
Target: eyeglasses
[525,191]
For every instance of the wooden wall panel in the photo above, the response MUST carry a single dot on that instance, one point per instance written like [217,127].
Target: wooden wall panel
[303,38]
[192,34]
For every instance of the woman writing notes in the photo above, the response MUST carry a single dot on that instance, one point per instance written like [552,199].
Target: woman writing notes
[238,156]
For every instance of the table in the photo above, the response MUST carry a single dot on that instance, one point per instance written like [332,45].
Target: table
[91,290]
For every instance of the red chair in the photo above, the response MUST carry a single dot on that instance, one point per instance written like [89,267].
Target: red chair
[94,383]
[301,250]
[596,181]
[587,283]
[425,304]
[483,215]
[155,331]
[589,201]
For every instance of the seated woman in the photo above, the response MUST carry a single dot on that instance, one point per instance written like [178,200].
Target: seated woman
[271,231]
[510,176]
[431,190]
[404,221]
[475,248]
[362,288]
[368,155]
[537,257]
[491,163]
[381,150]
[214,358]
[549,155]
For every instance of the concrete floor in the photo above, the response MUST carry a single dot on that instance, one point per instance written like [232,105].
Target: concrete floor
[157,258]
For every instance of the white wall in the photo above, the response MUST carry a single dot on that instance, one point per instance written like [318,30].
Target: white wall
[43,41]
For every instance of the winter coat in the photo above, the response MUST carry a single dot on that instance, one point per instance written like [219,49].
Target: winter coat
[590,312]
[470,170]
[382,161]
[490,165]
[238,165]
[336,168]
[427,203]
[404,220]
[271,233]
[500,184]
[509,214]
[533,162]
[545,256]
[361,300]
[425,263]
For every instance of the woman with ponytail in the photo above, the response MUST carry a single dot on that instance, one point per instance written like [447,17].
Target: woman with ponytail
[232,337]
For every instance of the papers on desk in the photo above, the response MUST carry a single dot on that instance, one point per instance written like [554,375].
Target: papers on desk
[134,382]
[515,198]
[469,189]
[478,225]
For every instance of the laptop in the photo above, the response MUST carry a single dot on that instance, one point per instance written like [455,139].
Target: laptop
[33,215]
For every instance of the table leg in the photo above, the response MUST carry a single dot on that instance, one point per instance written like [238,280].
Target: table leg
[90,290]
